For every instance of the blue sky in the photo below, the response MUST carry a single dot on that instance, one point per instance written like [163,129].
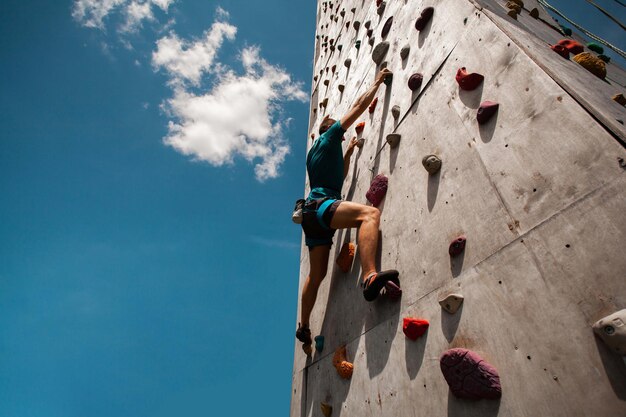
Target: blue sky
[150,156]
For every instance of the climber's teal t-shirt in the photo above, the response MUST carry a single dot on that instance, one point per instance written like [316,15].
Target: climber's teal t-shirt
[324,164]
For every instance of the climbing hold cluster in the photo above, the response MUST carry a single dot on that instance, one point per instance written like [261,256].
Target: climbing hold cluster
[451,302]
[612,330]
[343,367]
[591,63]
[468,81]
[470,376]
[415,81]
[377,190]
[414,328]
[457,246]
[431,163]
[346,257]
[372,106]
[424,18]
[486,111]
[393,139]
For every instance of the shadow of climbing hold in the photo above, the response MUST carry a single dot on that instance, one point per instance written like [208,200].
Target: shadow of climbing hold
[404,52]
[327,410]
[347,63]
[378,190]
[357,44]
[534,13]
[395,111]
[451,303]
[356,25]
[341,87]
[486,111]
[566,31]
[470,376]
[386,28]
[561,50]
[343,367]
[372,106]
[432,164]
[388,79]
[512,13]
[572,46]
[425,16]
[393,139]
[381,9]
[319,343]
[367,24]
[346,257]
[415,81]
[598,49]
[457,246]
[591,63]
[619,98]
[467,81]
[379,52]
[612,330]
[359,127]
[414,328]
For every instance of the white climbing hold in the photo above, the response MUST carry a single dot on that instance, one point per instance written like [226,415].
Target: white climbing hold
[612,330]
[451,303]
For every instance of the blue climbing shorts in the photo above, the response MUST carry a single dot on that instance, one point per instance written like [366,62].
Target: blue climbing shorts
[316,217]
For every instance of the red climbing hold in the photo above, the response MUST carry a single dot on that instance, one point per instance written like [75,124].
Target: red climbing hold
[469,376]
[457,246]
[561,50]
[468,81]
[359,127]
[373,105]
[378,190]
[425,16]
[386,27]
[572,46]
[378,2]
[486,111]
[415,81]
[414,328]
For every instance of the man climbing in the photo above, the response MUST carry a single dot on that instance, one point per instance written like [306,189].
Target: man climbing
[324,212]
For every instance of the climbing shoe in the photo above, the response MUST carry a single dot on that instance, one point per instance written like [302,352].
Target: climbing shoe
[303,334]
[296,217]
[376,282]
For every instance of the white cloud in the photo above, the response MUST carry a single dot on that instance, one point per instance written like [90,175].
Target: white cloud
[135,14]
[91,13]
[187,61]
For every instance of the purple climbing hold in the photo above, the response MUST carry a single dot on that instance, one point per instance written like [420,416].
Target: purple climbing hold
[457,246]
[470,376]
[424,18]
[486,111]
[379,52]
[378,190]
[386,27]
[415,81]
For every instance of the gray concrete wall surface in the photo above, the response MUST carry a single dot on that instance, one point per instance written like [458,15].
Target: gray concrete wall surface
[538,191]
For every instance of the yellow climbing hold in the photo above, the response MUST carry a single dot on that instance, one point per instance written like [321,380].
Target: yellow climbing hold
[511,5]
[591,63]
[343,367]
[520,3]
[327,410]
[513,14]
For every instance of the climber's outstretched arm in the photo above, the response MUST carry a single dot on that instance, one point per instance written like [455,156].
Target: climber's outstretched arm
[364,101]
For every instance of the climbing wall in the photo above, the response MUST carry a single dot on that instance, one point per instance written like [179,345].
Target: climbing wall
[537,190]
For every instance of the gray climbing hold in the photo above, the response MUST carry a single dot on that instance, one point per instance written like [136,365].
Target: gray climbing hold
[386,27]
[353,9]
[371,41]
[381,8]
[393,139]
[432,163]
[370,32]
[379,52]
[341,87]
[343,12]
[404,52]
[347,63]
[612,330]
[356,25]
[326,82]
[451,303]
[395,111]
[367,24]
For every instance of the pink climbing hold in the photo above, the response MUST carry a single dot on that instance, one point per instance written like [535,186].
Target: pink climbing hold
[561,50]
[424,18]
[415,81]
[414,328]
[468,81]
[378,190]
[470,376]
[373,105]
[457,246]
[486,111]
[359,127]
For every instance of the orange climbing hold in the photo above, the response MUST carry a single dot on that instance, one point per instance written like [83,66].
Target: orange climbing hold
[572,46]
[561,50]
[591,63]
[619,98]
[346,257]
[468,81]
[414,328]
[343,367]
[327,410]
[373,105]
[359,127]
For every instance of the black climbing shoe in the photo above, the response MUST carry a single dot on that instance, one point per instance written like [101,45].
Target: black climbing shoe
[372,287]
[303,334]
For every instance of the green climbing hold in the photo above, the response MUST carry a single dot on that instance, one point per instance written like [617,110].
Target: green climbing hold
[598,49]
[357,44]
[339,47]
[567,31]
[388,79]
[605,58]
